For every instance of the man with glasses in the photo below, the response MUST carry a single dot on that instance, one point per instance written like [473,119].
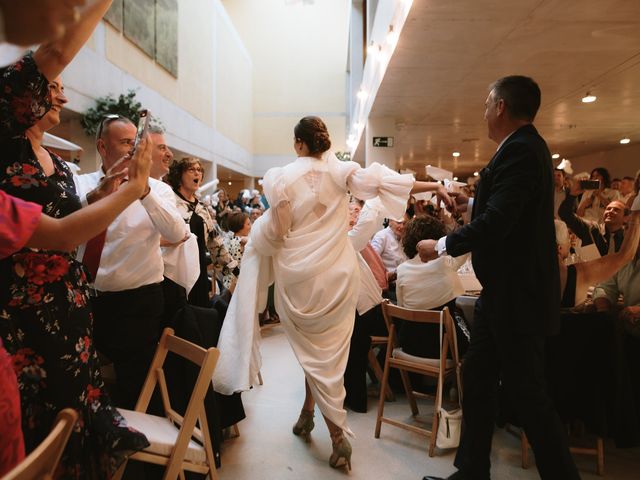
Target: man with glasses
[126,262]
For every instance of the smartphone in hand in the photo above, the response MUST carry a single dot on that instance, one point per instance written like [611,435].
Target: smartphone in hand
[143,127]
[589,184]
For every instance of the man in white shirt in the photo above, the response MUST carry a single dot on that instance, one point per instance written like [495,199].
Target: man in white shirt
[387,244]
[128,303]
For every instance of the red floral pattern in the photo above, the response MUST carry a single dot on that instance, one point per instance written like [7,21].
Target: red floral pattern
[45,318]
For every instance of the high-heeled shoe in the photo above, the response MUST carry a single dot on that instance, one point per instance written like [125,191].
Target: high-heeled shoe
[341,455]
[305,424]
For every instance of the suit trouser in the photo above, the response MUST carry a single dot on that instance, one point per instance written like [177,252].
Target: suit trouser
[127,329]
[518,361]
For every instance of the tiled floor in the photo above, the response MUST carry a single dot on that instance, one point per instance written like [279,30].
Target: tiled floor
[266,448]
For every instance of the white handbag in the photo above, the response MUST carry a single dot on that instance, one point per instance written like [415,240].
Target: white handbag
[449,421]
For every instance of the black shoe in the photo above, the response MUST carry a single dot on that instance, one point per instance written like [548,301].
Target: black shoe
[454,476]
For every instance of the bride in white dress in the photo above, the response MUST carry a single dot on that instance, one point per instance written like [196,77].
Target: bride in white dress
[301,243]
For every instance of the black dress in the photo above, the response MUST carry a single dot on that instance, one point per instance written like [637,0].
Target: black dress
[45,317]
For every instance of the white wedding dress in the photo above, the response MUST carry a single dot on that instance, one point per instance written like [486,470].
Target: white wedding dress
[301,243]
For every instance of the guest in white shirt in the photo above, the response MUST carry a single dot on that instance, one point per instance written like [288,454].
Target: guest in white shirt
[128,303]
[386,243]
[427,286]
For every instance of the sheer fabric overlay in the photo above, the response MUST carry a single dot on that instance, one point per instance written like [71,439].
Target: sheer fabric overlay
[302,244]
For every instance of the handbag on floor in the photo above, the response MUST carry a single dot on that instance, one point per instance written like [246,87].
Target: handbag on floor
[449,421]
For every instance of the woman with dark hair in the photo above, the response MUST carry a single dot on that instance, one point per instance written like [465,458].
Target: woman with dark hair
[301,242]
[46,321]
[239,225]
[594,202]
[432,285]
[185,177]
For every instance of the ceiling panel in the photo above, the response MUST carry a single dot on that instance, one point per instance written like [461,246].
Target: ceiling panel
[449,52]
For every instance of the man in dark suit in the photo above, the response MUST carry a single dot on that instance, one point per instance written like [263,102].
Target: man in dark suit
[512,240]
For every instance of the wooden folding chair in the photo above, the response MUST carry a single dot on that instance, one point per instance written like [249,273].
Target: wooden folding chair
[43,461]
[378,341]
[438,368]
[176,441]
[597,450]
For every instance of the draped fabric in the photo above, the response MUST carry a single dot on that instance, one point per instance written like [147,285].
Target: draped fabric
[301,242]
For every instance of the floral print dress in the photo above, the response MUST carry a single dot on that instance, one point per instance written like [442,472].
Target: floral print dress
[46,322]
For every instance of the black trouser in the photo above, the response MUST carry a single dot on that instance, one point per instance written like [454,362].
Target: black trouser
[126,330]
[517,360]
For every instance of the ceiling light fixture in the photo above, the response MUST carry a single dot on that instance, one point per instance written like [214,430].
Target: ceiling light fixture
[456,154]
[624,141]
[229,183]
[475,174]
[555,155]
[588,98]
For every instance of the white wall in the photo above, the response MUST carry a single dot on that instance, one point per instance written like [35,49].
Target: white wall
[207,110]
[299,55]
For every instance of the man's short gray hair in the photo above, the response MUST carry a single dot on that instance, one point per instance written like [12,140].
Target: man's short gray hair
[157,129]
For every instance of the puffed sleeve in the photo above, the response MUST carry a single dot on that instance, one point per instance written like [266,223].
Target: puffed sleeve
[279,213]
[380,181]
[24,97]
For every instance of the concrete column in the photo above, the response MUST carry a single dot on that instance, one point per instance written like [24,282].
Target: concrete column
[380,127]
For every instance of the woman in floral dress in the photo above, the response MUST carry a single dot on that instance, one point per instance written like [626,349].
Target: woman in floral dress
[45,317]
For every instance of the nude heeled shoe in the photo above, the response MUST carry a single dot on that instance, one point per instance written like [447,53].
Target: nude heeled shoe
[305,424]
[341,455]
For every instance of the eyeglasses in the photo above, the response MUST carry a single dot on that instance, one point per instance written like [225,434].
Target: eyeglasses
[195,170]
[106,120]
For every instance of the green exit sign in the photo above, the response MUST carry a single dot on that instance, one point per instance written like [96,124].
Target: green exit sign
[383,141]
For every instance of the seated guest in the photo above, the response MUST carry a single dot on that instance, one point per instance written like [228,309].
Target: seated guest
[240,225]
[185,177]
[256,213]
[386,244]
[606,233]
[576,279]
[627,342]
[593,203]
[427,286]
[47,324]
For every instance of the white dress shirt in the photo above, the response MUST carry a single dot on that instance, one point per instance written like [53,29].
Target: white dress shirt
[387,245]
[425,286]
[131,256]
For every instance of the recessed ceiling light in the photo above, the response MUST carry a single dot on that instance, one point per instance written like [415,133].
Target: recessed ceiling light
[624,141]
[455,179]
[475,174]
[588,98]
[456,154]
[555,155]
[229,183]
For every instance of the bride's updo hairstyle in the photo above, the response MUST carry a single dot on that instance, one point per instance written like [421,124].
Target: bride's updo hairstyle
[313,132]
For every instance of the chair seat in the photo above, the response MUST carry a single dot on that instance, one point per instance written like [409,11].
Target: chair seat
[162,435]
[433,362]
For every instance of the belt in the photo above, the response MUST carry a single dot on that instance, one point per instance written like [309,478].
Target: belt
[93,293]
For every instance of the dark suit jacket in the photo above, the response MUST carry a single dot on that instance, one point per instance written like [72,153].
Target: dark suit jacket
[512,237]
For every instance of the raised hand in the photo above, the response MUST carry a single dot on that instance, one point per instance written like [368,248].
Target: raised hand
[427,250]
[38,21]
